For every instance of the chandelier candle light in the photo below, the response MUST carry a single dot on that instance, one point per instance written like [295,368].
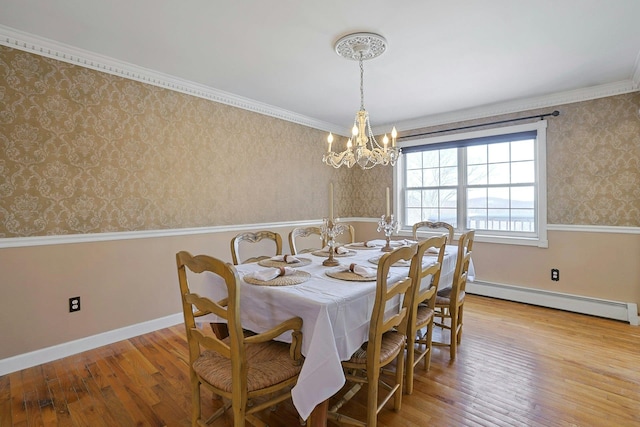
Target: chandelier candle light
[367,153]
[388,224]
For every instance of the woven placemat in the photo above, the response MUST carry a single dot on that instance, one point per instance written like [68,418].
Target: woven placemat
[272,263]
[336,255]
[290,279]
[349,275]
[399,263]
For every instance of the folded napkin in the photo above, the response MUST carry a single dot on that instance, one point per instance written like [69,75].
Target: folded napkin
[362,270]
[289,259]
[373,243]
[272,273]
[337,249]
[433,250]
[408,242]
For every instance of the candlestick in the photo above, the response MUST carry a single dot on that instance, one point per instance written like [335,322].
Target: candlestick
[388,225]
[331,201]
[330,229]
[388,212]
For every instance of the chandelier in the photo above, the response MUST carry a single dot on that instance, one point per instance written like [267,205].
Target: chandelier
[362,147]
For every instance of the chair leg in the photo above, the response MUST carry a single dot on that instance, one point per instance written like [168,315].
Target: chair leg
[397,402]
[428,337]
[411,343]
[195,400]
[453,336]
[459,334]
[372,399]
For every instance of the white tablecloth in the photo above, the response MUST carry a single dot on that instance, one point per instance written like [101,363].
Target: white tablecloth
[335,315]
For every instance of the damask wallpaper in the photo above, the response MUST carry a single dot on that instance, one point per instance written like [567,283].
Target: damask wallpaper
[593,160]
[593,163]
[88,152]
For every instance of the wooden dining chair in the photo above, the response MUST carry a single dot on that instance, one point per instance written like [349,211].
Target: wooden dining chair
[386,344]
[422,306]
[450,302]
[254,238]
[433,225]
[301,233]
[249,372]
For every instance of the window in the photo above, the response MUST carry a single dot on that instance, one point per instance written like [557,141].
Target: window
[492,181]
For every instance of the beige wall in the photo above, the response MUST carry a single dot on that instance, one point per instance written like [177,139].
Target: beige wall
[87,152]
[121,283]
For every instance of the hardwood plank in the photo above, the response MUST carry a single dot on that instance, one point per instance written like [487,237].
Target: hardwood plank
[5,401]
[517,365]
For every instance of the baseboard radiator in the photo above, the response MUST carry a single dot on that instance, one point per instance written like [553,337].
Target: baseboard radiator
[625,311]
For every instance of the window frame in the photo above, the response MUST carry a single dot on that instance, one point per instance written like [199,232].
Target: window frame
[489,236]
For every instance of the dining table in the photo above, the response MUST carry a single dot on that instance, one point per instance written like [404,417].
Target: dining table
[335,312]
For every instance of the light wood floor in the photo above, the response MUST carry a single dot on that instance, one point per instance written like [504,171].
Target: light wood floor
[518,365]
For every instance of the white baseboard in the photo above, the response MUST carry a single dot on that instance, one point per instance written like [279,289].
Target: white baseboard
[617,310]
[624,311]
[27,360]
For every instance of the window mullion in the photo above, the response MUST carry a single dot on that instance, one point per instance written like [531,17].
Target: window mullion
[462,189]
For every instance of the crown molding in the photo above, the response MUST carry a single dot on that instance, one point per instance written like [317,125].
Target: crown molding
[636,73]
[45,47]
[515,106]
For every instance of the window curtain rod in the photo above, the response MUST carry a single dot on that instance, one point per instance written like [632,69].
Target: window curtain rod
[541,116]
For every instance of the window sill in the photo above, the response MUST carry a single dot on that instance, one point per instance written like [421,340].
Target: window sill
[488,238]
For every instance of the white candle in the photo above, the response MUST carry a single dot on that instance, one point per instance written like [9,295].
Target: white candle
[388,202]
[331,201]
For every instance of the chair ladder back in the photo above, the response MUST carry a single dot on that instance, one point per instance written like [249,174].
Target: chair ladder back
[228,308]
[422,305]
[386,292]
[465,245]
[421,294]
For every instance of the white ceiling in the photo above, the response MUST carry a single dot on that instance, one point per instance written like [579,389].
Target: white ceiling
[445,59]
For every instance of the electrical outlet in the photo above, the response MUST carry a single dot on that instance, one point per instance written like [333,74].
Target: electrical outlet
[74,304]
[555,274]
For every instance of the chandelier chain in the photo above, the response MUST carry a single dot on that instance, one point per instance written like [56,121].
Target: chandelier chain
[361,83]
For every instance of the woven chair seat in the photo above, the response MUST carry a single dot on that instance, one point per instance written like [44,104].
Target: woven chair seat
[424,315]
[444,300]
[391,342]
[268,363]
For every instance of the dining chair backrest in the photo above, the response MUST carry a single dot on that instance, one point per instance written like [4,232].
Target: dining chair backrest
[433,225]
[224,366]
[381,321]
[254,238]
[465,249]
[450,302]
[299,234]
[426,276]
[386,343]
